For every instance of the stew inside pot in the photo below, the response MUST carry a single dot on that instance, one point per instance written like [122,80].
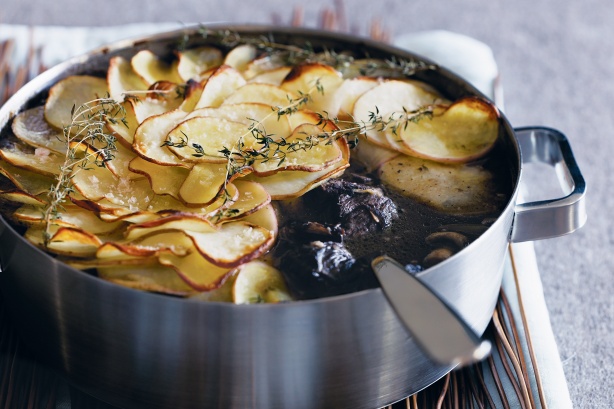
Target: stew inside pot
[253,173]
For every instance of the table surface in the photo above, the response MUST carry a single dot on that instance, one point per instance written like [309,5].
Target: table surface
[556,61]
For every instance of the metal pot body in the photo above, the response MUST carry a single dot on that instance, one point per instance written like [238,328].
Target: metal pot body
[144,350]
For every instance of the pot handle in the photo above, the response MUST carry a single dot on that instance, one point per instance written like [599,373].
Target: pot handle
[554,217]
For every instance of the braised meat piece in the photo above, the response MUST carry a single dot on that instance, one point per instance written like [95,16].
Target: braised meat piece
[360,207]
[316,263]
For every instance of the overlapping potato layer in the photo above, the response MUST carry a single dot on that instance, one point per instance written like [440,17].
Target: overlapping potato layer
[205,142]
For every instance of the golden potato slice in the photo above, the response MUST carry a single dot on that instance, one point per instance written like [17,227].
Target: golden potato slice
[203,184]
[120,164]
[72,92]
[347,94]
[174,241]
[196,270]
[233,244]
[465,131]
[274,76]
[252,197]
[261,115]
[221,294]
[150,136]
[164,180]
[318,81]
[264,217]
[261,93]
[95,183]
[194,61]
[25,180]
[31,127]
[193,92]
[145,108]
[19,196]
[372,156]
[121,79]
[223,82]
[200,139]
[66,241]
[179,222]
[124,130]
[308,149]
[389,98]
[37,160]
[154,278]
[68,216]
[151,69]
[240,56]
[258,282]
[450,188]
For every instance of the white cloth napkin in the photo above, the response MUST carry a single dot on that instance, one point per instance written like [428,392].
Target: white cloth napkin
[463,55]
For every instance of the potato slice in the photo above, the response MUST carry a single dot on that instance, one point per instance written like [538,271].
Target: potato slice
[150,136]
[71,92]
[194,61]
[259,282]
[31,127]
[179,222]
[261,115]
[200,139]
[124,130]
[19,196]
[392,97]
[347,94]
[151,69]
[196,270]
[261,93]
[145,108]
[450,188]
[66,241]
[264,217]
[68,216]
[122,79]
[154,278]
[25,180]
[274,76]
[223,82]
[193,92]
[371,155]
[120,164]
[305,151]
[240,56]
[221,294]
[164,180]
[465,131]
[233,244]
[37,160]
[319,81]
[252,197]
[203,184]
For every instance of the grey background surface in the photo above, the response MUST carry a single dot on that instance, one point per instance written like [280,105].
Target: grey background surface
[556,60]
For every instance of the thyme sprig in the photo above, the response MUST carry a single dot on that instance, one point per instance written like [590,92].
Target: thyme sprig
[88,143]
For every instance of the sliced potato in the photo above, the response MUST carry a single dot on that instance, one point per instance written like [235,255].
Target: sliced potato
[251,114]
[239,57]
[318,81]
[30,182]
[389,98]
[66,241]
[371,155]
[122,79]
[233,244]
[223,293]
[200,139]
[124,129]
[194,61]
[348,93]
[196,270]
[154,278]
[465,131]
[203,184]
[305,151]
[261,93]
[31,127]
[151,69]
[274,76]
[164,180]
[193,92]
[259,282]
[223,82]
[19,196]
[69,93]
[450,188]
[150,136]
[68,216]
[145,108]
[179,222]
[120,164]
[37,160]
[252,197]
[264,217]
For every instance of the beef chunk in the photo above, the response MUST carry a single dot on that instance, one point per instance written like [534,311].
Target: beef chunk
[314,268]
[361,208]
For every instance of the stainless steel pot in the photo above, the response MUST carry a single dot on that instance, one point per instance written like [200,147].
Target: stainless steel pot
[144,350]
